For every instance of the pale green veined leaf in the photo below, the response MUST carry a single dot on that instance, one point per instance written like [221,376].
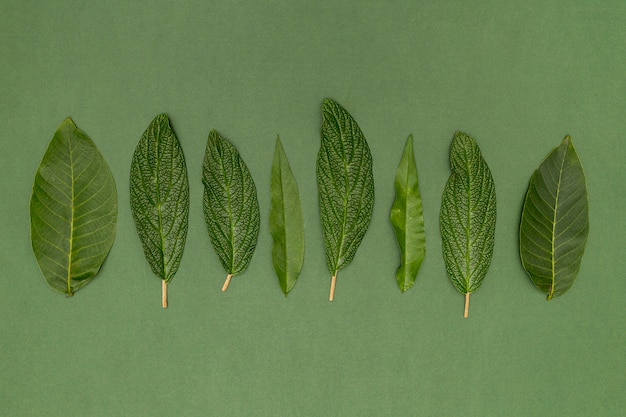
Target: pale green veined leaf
[468,217]
[286,223]
[159,199]
[345,184]
[231,207]
[73,210]
[407,219]
[555,221]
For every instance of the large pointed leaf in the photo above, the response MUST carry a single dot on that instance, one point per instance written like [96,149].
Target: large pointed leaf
[555,221]
[468,217]
[407,219]
[159,198]
[231,207]
[286,224]
[73,210]
[345,184]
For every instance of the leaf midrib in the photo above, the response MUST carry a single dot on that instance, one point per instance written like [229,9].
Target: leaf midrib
[71,239]
[231,219]
[344,215]
[407,180]
[554,215]
[405,207]
[159,207]
[467,224]
[283,216]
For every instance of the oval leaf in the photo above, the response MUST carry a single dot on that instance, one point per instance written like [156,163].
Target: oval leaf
[555,221]
[159,198]
[407,219]
[73,210]
[231,208]
[286,224]
[468,217]
[345,184]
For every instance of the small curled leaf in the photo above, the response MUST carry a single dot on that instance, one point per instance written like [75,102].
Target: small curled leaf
[407,219]
[286,223]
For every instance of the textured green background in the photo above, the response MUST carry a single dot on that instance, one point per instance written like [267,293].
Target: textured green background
[516,75]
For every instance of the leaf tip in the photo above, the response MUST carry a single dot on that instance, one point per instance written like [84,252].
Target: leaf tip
[567,140]
[68,122]
[330,106]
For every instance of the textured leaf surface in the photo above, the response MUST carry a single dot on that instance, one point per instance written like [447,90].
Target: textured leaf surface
[555,221]
[468,216]
[73,210]
[231,208]
[286,223]
[345,184]
[159,197]
[407,219]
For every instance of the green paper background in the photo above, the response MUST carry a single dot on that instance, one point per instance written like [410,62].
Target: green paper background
[516,75]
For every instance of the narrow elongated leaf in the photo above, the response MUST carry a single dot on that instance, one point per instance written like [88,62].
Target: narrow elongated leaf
[407,219]
[555,221]
[345,184]
[73,210]
[468,217]
[159,199]
[286,224]
[231,207]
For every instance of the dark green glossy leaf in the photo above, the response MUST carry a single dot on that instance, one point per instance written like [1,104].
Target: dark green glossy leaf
[468,217]
[555,221]
[73,210]
[346,186]
[159,198]
[407,219]
[286,224]
[231,208]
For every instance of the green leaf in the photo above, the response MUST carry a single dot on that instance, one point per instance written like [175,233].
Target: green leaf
[231,208]
[555,221]
[159,199]
[73,210]
[407,219]
[345,184]
[286,224]
[468,217]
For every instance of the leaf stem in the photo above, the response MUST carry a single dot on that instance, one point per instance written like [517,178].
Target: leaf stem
[227,282]
[466,312]
[164,293]
[333,282]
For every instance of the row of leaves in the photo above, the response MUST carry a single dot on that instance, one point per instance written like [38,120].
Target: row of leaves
[74,209]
